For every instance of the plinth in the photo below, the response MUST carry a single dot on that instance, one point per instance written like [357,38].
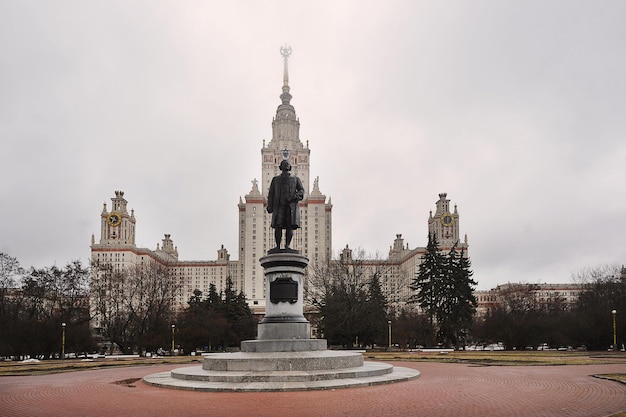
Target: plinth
[284,327]
[284,280]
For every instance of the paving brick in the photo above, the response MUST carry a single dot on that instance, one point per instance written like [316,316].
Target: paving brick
[442,390]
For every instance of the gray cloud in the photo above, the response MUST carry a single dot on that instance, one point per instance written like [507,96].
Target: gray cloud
[515,109]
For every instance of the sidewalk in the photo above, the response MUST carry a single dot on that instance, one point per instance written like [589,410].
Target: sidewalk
[442,390]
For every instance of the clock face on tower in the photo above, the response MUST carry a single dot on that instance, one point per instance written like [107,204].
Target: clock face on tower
[447,219]
[114,219]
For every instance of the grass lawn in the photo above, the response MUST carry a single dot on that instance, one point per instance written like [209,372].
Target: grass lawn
[503,357]
[11,368]
[487,358]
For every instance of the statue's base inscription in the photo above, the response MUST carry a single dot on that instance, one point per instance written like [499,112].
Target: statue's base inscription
[284,289]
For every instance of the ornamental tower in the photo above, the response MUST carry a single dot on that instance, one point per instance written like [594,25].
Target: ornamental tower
[445,224]
[117,226]
[285,138]
[256,237]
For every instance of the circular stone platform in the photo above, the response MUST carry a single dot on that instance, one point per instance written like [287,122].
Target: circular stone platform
[281,371]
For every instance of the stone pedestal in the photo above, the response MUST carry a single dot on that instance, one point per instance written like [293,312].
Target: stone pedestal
[284,283]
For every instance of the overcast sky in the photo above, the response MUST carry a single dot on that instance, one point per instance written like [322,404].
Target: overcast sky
[516,109]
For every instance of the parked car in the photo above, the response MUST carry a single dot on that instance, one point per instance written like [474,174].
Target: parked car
[495,346]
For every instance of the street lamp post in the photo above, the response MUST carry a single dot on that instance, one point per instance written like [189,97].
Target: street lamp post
[63,340]
[389,324]
[173,328]
[614,312]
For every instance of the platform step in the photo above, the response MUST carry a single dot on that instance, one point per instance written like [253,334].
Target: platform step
[282,361]
[165,380]
[196,373]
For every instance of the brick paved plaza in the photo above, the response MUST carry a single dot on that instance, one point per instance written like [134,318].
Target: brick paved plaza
[442,390]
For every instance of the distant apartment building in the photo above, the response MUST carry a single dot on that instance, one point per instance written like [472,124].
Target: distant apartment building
[488,300]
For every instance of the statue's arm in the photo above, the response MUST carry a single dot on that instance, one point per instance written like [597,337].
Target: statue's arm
[299,189]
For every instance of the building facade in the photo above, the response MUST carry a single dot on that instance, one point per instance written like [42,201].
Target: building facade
[541,294]
[398,270]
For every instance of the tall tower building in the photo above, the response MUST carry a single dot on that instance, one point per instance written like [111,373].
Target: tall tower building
[256,237]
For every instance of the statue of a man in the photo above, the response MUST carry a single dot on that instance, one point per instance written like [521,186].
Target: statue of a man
[282,201]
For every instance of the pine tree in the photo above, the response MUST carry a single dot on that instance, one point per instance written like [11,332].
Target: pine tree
[236,311]
[213,299]
[216,322]
[459,301]
[375,312]
[193,330]
[428,282]
[352,307]
[444,290]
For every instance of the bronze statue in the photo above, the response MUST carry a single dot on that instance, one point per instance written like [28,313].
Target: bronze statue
[282,201]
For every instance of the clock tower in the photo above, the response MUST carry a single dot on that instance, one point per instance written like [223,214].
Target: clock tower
[117,225]
[444,224]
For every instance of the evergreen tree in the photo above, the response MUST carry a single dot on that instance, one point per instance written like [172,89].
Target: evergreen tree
[351,305]
[194,331]
[216,322]
[412,329]
[429,280]
[196,298]
[459,303]
[341,322]
[444,291]
[213,300]
[376,313]
[238,315]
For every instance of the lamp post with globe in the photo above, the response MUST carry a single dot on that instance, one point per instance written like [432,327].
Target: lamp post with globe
[63,340]
[173,329]
[614,312]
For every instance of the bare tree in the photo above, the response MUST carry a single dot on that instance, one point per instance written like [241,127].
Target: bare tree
[133,307]
[599,273]
[10,271]
[36,305]
[348,297]
[604,291]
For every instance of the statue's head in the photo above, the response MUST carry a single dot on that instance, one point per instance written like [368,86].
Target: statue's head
[285,165]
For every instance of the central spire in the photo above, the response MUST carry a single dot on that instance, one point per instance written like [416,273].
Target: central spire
[285,126]
[285,51]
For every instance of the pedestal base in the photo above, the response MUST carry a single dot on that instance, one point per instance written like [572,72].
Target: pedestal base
[272,331]
[281,371]
[283,345]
